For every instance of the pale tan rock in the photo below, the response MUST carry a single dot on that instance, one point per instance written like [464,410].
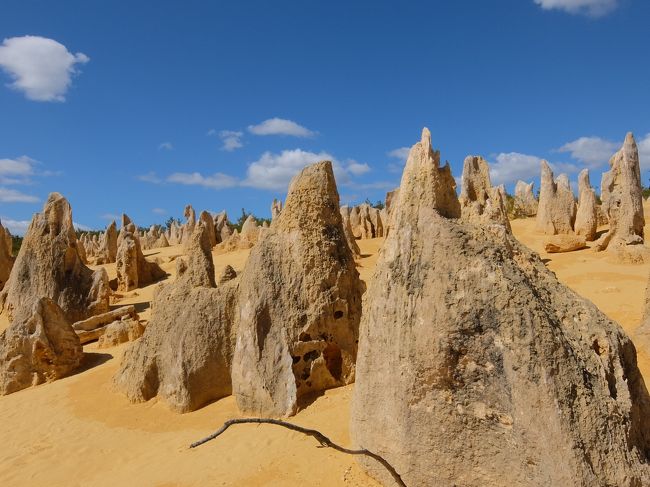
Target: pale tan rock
[276,208]
[133,269]
[188,227]
[185,354]
[477,367]
[623,203]
[121,331]
[246,239]
[564,243]
[480,202]
[107,252]
[81,250]
[586,223]
[525,201]
[349,235]
[6,258]
[39,346]
[556,212]
[104,319]
[222,227]
[48,265]
[208,221]
[300,302]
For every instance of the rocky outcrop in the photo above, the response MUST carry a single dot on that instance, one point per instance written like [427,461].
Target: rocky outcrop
[107,252]
[300,302]
[479,201]
[48,265]
[349,235]
[227,274]
[556,212]
[190,223]
[246,239]
[39,346]
[276,208]
[120,331]
[6,257]
[623,203]
[477,367]
[133,269]
[564,243]
[525,201]
[185,354]
[208,221]
[222,227]
[586,223]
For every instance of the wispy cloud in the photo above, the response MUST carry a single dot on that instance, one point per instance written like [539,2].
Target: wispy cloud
[280,126]
[14,196]
[231,140]
[159,211]
[513,166]
[400,153]
[111,217]
[590,8]
[214,181]
[166,146]
[150,177]
[40,68]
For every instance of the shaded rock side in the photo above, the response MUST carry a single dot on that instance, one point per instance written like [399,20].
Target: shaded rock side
[300,302]
[6,258]
[477,367]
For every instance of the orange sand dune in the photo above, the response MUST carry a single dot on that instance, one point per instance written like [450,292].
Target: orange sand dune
[78,431]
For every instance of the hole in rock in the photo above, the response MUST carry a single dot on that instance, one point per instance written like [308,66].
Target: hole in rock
[333,360]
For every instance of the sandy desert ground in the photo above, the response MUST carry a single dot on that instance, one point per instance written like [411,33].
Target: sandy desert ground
[78,432]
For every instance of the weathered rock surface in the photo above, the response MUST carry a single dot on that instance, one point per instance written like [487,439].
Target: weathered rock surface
[48,265]
[564,243]
[623,203]
[120,331]
[228,274]
[6,258]
[349,235]
[39,346]
[190,223]
[556,212]
[300,302]
[479,201]
[525,201]
[586,223]
[208,221]
[185,354]
[133,269]
[222,227]
[477,367]
[107,252]
[276,208]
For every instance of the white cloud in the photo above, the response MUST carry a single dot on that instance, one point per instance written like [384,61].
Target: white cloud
[159,211]
[402,153]
[274,171]
[111,217]
[41,68]
[280,126]
[231,140]
[165,146]
[590,8]
[215,181]
[512,166]
[593,151]
[16,227]
[13,196]
[356,168]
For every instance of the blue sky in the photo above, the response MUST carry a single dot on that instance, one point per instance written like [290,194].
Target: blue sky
[144,107]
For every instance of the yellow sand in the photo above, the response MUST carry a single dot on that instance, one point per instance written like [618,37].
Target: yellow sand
[78,431]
